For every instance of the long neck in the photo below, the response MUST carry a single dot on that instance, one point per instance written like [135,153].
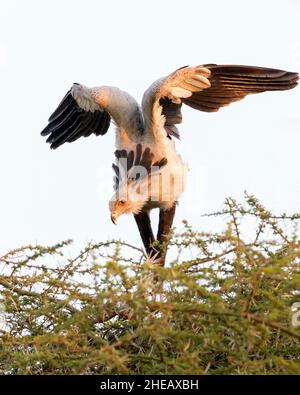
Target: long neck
[123,109]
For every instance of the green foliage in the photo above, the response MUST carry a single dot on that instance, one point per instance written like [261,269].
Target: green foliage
[222,306]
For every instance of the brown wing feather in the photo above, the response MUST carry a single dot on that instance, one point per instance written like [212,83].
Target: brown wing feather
[233,83]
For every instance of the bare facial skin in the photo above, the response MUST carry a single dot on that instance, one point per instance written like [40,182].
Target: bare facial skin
[117,209]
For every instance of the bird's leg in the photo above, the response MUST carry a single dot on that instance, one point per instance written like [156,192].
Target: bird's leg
[166,218]
[144,224]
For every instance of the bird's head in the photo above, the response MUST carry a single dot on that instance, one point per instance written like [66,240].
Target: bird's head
[136,184]
[126,201]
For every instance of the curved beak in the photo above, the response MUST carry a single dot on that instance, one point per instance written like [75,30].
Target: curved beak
[113,219]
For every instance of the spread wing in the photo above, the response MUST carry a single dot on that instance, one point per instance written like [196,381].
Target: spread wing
[208,88]
[85,111]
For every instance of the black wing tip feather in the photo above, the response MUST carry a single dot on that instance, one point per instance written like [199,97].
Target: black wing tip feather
[230,83]
[257,75]
[69,122]
[45,131]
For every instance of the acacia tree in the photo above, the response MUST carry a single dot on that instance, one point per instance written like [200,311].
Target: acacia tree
[222,306]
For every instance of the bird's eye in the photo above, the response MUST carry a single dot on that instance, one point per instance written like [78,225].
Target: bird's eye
[122,201]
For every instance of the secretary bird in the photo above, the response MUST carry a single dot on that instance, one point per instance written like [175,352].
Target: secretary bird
[149,173]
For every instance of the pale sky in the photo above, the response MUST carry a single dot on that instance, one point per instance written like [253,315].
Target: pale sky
[45,46]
